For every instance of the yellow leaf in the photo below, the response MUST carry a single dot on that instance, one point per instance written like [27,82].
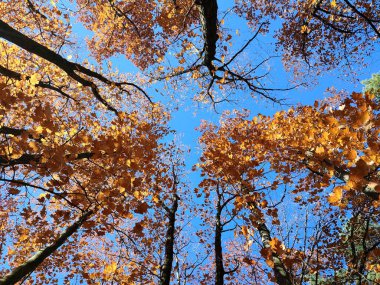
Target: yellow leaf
[9,150]
[110,268]
[319,150]
[34,79]
[23,237]
[39,129]
[156,199]
[33,146]
[305,29]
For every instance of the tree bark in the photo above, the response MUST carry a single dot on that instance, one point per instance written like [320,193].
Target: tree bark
[27,158]
[32,263]
[208,10]
[166,269]
[281,274]
[369,189]
[219,267]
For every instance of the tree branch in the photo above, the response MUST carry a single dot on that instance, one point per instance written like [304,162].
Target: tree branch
[32,263]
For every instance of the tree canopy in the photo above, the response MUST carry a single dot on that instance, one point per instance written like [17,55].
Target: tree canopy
[95,185]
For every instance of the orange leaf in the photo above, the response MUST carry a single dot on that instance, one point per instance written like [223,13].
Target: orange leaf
[352,154]
[244,230]
[363,118]
[249,261]
[336,195]
[138,230]
[277,246]
[270,263]
[361,169]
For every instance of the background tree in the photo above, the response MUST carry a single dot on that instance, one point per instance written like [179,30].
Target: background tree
[327,152]
[372,84]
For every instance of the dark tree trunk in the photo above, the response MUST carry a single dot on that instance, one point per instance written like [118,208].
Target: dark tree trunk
[169,244]
[208,10]
[219,268]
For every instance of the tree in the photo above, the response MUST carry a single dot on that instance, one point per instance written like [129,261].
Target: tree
[319,35]
[93,191]
[329,153]
[372,85]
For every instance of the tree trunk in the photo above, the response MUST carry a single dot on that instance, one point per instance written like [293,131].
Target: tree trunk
[208,10]
[281,274]
[219,268]
[169,245]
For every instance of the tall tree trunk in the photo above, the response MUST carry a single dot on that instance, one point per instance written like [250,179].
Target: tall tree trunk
[219,268]
[169,244]
[32,263]
[208,10]
[281,274]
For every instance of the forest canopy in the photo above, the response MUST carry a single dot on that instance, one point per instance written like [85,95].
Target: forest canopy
[98,188]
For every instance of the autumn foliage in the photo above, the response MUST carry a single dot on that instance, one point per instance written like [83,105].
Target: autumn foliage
[95,187]
[327,154]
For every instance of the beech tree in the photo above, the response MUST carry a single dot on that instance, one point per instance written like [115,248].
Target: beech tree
[94,188]
[329,153]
